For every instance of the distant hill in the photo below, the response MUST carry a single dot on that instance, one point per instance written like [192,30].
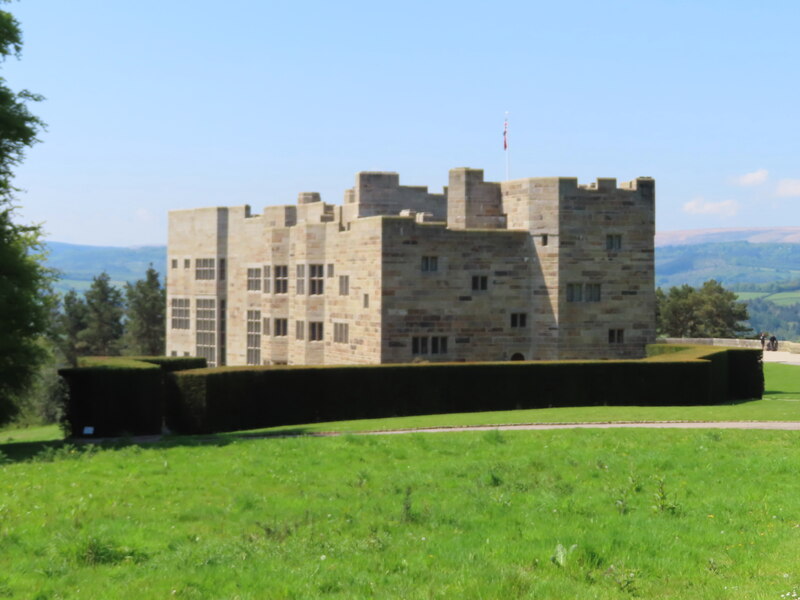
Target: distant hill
[731,256]
[727,262]
[754,235]
[78,264]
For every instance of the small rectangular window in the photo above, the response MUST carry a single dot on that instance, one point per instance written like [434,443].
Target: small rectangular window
[592,292]
[299,330]
[341,333]
[479,283]
[574,292]
[187,263]
[280,327]
[429,264]
[344,285]
[544,239]
[254,280]
[222,269]
[301,280]
[366,300]
[616,336]
[330,269]
[281,279]
[174,263]
[265,329]
[316,279]
[613,241]
[519,320]
[315,331]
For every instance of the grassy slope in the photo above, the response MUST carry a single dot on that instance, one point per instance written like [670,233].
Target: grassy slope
[658,514]
[463,515]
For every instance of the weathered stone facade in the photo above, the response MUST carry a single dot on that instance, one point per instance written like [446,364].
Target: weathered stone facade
[537,268]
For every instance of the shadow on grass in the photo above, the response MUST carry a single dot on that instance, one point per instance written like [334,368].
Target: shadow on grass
[71,448]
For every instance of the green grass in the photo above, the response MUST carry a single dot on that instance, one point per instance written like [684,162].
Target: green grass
[750,295]
[784,298]
[527,514]
[44,433]
[552,514]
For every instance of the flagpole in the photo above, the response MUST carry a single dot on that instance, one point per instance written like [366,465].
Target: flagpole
[505,143]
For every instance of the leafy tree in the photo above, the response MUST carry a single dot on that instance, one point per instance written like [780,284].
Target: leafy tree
[708,311]
[73,319]
[145,325]
[104,311]
[24,281]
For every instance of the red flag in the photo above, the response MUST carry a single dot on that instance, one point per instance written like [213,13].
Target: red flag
[505,135]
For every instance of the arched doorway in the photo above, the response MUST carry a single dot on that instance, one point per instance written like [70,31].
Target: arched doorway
[517,356]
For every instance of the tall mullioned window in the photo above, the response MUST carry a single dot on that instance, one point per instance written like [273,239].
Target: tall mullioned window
[281,279]
[253,337]
[592,292]
[204,268]
[206,328]
[254,280]
[315,331]
[181,308]
[316,279]
[267,279]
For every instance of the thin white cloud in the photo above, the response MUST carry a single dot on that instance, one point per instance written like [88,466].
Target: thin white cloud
[754,178]
[698,206]
[144,216]
[788,188]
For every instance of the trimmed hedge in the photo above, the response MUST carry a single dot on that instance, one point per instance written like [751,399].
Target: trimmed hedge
[236,398]
[120,395]
[136,395]
[125,398]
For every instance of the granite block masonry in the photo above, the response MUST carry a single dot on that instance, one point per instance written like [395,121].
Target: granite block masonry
[536,268]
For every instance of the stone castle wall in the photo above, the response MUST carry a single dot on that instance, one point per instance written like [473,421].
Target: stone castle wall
[395,274]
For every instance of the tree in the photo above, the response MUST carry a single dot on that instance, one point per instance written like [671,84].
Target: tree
[71,322]
[104,311]
[146,301]
[710,311]
[24,280]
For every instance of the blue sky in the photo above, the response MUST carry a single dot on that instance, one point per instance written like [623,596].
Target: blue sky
[160,105]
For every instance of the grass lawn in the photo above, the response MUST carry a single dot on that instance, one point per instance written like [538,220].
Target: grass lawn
[527,514]
[547,514]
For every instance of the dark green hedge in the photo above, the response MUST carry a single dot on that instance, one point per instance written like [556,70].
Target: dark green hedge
[121,395]
[121,399]
[136,395]
[229,399]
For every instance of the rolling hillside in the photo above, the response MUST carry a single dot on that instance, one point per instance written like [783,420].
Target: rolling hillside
[78,264]
[731,256]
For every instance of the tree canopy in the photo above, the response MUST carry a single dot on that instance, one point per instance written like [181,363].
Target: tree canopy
[145,327]
[24,280]
[708,311]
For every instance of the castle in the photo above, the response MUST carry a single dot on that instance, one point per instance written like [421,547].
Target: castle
[536,268]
